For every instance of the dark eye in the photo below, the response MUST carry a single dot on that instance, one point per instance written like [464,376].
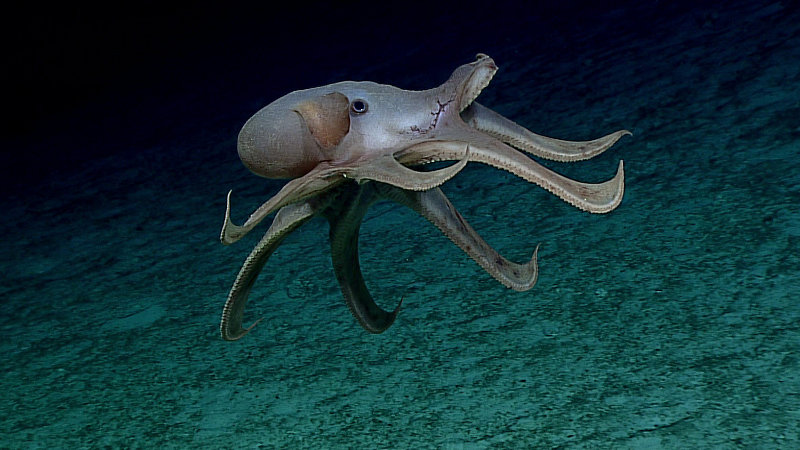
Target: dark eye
[358,106]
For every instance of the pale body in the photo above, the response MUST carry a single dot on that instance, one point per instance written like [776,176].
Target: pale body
[349,144]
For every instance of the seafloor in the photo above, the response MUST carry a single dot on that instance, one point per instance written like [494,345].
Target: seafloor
[672,322]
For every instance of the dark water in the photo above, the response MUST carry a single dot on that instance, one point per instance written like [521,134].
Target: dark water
[671,322]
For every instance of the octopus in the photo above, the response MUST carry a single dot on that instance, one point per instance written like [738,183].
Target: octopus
[347,145]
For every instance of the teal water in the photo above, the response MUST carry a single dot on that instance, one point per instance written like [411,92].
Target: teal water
[671,322]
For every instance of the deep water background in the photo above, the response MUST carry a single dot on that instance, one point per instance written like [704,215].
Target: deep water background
[672,322]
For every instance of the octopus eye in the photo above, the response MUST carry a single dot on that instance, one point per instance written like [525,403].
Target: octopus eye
[358,106]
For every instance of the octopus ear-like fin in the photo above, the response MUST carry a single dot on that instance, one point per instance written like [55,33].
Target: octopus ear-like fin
[327,118]
[387,169]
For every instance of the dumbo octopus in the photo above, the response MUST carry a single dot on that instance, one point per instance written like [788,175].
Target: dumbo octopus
[349,144]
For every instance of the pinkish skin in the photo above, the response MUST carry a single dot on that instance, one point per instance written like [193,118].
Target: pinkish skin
[346,145]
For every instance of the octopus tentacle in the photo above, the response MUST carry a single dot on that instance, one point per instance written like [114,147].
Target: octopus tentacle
[435,206]
[592,197]
[287,220]
[385,169]
[320,179]
[488,121]
[388,170]
[345,224]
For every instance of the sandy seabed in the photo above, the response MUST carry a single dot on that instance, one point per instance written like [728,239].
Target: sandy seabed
[672,322]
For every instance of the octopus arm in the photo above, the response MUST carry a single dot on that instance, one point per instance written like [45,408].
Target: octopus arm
[345,221]
[322,178]
[286,220]
[592,197]
[436,208]
[490,122]
[325,176]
